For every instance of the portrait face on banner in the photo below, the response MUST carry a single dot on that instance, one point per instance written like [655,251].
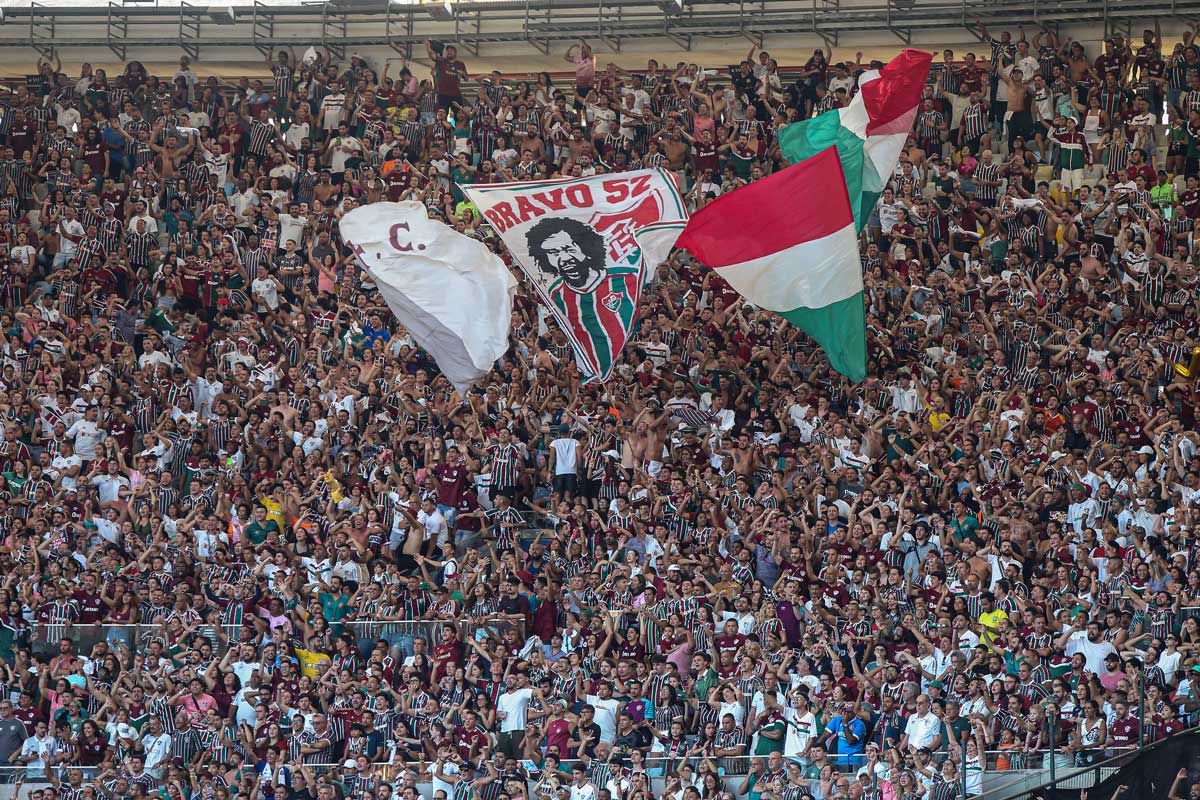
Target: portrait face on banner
[569,251]
[589,245]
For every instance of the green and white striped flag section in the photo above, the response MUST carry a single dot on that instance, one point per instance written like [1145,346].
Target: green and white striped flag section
[787,243]
[869,133]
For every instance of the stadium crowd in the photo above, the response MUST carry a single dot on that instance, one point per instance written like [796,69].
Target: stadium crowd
[254,546]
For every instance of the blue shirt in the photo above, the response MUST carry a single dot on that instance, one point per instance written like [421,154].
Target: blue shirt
[113,139]
[838,726]
[371,334]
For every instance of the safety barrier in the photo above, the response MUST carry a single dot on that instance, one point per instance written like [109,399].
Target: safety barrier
[46,638]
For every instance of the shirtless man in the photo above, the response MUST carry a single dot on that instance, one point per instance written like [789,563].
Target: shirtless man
[1079,69]
[529,140]
[170,153]
[580,145]
[1020,120]
[648,438]
[744,455]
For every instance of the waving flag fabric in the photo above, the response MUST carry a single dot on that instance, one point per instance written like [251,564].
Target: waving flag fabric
[588,245]
[452,294]
[787,243]
[869,133]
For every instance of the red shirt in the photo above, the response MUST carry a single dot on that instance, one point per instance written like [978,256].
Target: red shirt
[232,130]
[1124,732]
[1145,170]
[1190,200]
[466,738]
[445,655]
[447,76]
[90,607]
[452,482]
[731,643]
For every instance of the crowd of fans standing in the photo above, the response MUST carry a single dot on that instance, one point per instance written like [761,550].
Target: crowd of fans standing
[255,546]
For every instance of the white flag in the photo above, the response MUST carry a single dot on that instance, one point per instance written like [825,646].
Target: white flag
[452,294]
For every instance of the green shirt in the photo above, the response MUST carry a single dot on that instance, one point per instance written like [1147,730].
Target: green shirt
[334,607]
[961,729]
[1164,195]
[965,527]
[766,745]
[751,783]
[459,176]
[1193,144]
[705,682]
[463,206]
[999,250]
[257,532]
[742,164]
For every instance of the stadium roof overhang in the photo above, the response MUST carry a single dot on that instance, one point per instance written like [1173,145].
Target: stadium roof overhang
[342,25]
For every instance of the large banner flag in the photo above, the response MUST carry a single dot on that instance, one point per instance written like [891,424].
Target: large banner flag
[870,132]
[452,294]
[788,244]
[588,245]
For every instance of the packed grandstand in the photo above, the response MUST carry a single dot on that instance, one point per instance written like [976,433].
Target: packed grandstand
[255,545]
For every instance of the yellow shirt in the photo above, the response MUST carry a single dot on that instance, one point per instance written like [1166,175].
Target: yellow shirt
[991,624]
[938,419]
[274,511]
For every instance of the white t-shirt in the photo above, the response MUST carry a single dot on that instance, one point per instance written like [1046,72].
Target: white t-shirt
[334,106]
[921,730]
[291,228]
[606,716]
[514,704]
[658,352]
[240,201]
[888,216]
[746,622]
[801,734]
[217,164]
[245,705]
[344,149]
[294,137]
[505,158]
[1093,652]
[435,525]
[42,748]
[602,120]
[265,291]
[108,486]
[155,358]
[65,245]
[448,768]
[308,444]
[244,669]
[566,455]
[158,749]
[934,663]
[86,435]
[61,464]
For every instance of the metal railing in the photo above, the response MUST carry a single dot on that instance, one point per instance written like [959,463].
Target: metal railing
[137,637]
[655,763]
[1066,774]
[1025,779]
